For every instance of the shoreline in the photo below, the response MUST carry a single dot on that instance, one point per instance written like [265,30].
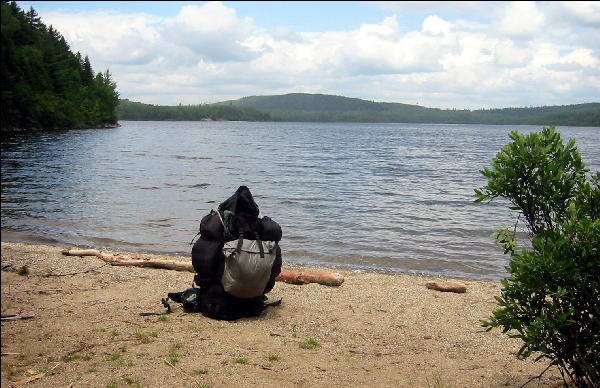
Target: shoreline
[18,237]
[7,131]
[374,330]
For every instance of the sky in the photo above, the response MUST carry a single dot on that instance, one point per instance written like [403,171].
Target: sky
[439,54]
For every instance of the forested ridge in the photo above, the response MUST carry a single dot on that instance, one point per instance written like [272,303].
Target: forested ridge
[44,84]
[320,107]
[130,110]
[329,108]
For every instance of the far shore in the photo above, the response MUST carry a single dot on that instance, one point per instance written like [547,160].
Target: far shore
[23,130]
[82,326]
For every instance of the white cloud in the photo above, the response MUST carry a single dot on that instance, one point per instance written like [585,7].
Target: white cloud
[435,26]
[209,53]
[582,13]
[509,55]
[108,37]
[583,57]
[212,31]
[376,49]
[284,33]
[521,19]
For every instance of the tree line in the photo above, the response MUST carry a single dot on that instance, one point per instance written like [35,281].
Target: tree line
[44,84]
[301,107]
[305,107]
[131,110]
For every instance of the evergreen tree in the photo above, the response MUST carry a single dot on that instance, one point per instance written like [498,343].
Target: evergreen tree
[44,85]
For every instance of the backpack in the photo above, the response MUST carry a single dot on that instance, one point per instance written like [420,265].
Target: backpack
[236,260]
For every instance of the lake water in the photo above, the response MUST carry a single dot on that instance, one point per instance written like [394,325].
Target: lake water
[393,198]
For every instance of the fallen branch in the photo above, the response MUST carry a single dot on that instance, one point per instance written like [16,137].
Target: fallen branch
[119,259]
[176,367]
[376,354]
[29,379]
[15,317]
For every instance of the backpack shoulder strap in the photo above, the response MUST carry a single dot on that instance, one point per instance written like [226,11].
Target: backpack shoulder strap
[258,240]
[260,245]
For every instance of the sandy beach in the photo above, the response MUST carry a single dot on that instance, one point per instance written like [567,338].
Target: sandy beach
[84,329]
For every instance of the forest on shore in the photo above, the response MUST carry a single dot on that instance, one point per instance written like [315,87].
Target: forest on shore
[130,110]
[304,107]
[44,84]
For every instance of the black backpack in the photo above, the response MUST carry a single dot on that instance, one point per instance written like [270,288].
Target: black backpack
[236,260]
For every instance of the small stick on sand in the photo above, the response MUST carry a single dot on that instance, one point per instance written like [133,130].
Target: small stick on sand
[15,317]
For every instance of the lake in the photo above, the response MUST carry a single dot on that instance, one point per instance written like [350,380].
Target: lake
[394,198]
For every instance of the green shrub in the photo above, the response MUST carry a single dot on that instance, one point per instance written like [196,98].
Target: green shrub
[310,343]
[23,271]
[551,299]
[241,360]
[538,175]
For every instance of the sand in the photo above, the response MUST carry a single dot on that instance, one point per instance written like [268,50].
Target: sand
[376,330]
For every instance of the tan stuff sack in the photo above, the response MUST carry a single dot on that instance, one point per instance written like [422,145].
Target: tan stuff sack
[248,265]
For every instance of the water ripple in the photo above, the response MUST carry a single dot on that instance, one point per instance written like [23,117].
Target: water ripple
[378,197]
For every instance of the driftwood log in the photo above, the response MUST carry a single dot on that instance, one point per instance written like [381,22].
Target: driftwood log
[119,259]
[447,286]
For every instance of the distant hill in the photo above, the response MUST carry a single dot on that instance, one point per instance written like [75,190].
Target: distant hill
[321,107]
[303,102]
[328,108]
